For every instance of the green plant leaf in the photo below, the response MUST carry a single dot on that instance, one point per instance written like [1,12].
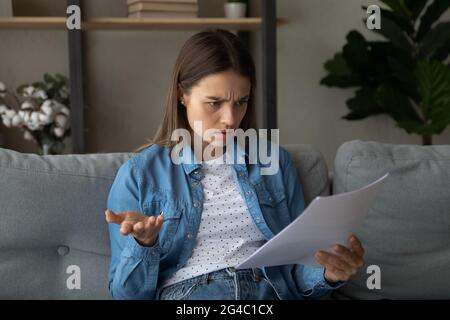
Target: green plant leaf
[363,104]
[340,74]
[431,15]
[340,81]
[355,51]
[394,33]
[363,64]
[415,7]
[48,78]
[337,65]
[433,80]
[435,40]
[442,53]
[398,6]
[397,105]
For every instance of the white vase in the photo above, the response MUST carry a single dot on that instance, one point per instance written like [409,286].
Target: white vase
[235,10]
[45,149]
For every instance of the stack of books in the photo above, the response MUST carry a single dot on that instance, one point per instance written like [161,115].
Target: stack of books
[162,8]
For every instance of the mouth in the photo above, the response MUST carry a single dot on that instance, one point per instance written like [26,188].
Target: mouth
[223,133]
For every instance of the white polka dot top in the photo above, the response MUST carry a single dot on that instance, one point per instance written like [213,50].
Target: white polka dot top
[227,234]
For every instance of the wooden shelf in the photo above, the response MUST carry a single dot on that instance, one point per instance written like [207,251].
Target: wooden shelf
[135,23]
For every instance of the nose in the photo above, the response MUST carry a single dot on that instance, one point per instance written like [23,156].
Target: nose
[228,116]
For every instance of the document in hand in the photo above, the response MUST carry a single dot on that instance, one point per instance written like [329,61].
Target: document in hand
[325,222]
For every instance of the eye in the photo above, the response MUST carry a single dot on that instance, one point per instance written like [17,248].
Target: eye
[215,104]
[241,103]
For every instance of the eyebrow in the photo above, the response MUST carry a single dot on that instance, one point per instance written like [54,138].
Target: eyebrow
[219,99]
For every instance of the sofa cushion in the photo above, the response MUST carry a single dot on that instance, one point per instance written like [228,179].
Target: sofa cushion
[51,217]
[312,169]
[407,231]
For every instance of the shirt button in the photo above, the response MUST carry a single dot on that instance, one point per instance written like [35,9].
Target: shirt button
[63,250]
[248,193]
[257,220]
[196,205]
[270,199]
[189,236]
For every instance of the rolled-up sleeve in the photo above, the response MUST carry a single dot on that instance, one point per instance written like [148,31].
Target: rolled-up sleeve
[133,271]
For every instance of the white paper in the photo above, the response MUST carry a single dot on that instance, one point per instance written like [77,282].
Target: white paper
[325,222]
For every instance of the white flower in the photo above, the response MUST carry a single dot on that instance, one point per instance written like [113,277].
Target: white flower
[10,113]
[6,121]
[59,132]
[61,121]
[33,126]
[34,117]
[58,106]
[26,116]
[27,135]
[2,89]
[3,108]
[28,91]
[48,107]
[65,111]
[44,118]
[40,94]
[16,120]
[27,105]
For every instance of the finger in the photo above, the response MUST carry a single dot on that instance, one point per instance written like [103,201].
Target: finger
[331,260]
[150,223]
[138,229]
[331,272]
[356,246]
[111,217]
[126,227]
[159,221]
[335,274]
[351,258]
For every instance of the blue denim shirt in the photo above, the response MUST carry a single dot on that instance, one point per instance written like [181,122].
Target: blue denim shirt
[151,183]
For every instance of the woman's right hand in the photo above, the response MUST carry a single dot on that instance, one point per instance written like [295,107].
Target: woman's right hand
[145,229]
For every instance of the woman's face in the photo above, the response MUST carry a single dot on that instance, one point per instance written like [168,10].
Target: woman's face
[219,101]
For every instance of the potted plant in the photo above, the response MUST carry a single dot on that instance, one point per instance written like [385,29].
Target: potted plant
[235,9]
[41,110]
[406,77]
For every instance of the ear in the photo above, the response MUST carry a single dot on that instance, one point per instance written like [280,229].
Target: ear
[182,96]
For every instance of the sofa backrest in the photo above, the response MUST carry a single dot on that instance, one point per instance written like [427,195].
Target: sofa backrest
[51,218]
[407,231]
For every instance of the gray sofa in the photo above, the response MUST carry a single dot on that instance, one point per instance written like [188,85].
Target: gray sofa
[51,218]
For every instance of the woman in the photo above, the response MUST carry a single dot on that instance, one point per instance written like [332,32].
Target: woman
[178,229]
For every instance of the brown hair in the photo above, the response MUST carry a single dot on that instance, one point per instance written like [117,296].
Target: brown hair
[203,54]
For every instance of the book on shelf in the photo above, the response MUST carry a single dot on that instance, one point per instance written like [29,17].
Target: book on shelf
[162,1]
[160,6]
[162,14]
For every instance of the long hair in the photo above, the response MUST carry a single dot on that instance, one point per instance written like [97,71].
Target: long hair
[205,53]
